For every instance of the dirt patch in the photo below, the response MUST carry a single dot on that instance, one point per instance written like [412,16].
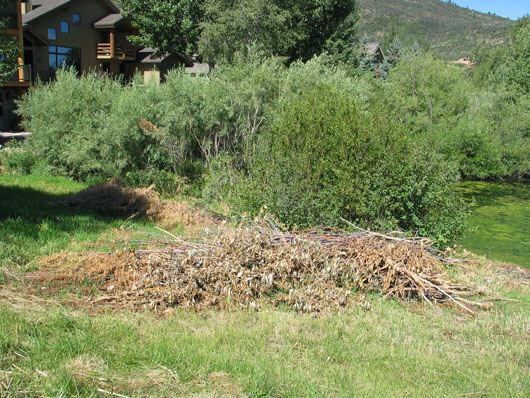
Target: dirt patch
[115,200]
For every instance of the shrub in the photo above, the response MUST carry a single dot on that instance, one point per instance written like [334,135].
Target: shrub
[483,131]
[325,157]
[17,159]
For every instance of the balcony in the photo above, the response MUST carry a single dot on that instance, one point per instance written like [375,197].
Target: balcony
[124,52]
[22,77]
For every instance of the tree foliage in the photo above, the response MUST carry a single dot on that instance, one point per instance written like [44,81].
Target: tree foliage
[519,60]
[295,29]
[232,27]
[9,51]
[171,26]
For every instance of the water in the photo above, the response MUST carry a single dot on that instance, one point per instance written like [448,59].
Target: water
[500,223]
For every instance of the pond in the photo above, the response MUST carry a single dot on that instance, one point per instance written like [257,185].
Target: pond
[500,222]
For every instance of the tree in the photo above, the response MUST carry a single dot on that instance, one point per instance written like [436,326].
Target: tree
[9,51]
[343,45]
[170,26]
[233,27]
[394,52]
[519,61]
[295,29]
[322,24]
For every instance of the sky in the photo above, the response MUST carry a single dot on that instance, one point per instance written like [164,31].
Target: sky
[505,8]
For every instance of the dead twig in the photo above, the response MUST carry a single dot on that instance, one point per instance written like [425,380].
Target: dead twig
[102,391]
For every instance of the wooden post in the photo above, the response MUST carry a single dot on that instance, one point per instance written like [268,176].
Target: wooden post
[112,43]
[20,42]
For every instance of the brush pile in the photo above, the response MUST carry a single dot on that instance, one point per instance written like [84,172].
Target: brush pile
[310,271]
[119,201]
[114,200]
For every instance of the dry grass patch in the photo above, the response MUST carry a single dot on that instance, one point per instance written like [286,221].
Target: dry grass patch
[115,200]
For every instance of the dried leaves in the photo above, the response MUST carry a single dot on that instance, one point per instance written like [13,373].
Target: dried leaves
[309,271]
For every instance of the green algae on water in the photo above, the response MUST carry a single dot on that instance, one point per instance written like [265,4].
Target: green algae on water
[499,226]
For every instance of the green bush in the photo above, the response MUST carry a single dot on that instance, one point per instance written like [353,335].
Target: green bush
[16,159]
[147,134]
[484,131]
[325,157]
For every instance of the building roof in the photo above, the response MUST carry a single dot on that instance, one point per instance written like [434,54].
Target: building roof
[38,38]
[147,56]
[47,6]
[110,21]
[371,48]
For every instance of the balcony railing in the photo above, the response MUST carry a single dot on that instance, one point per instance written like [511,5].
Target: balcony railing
[123,51]
[22,75]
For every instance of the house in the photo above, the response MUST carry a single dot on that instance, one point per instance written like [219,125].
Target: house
[16,85]
[88,34]
[154,67]
[91,35]
[375,51]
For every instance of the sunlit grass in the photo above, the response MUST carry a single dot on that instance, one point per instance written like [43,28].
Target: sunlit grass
[391,351]
[31,227]
[52,349]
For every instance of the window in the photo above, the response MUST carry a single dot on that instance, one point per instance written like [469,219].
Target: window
[52,34]
[76,19]
[65,27]
[64,56]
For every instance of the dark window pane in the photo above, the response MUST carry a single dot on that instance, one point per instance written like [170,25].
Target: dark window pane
[65,27]
[61,59]
[52,34]
[53,61]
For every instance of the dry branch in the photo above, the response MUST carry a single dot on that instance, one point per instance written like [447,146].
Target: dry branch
[310,271]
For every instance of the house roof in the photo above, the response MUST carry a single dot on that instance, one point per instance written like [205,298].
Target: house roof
[371,48]
[110,21]
[147,56]
[38,38]
[47,6]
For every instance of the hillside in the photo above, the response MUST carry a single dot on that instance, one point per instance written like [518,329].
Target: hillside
[444,28]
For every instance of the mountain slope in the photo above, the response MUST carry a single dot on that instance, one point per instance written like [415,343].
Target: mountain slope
[444,28]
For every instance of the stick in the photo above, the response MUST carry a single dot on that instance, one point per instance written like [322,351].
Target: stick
[446,294]
[112,393]
[41,373]
[417,240]
[169,233]
[17,368]
[19,355]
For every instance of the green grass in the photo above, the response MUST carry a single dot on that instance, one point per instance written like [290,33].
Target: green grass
[49,349]
[391,351]
[30,227]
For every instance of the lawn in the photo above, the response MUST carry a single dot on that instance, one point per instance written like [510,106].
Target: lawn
[50,348]
[31,227]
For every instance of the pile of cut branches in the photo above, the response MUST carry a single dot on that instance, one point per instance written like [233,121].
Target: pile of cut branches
[310,271]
